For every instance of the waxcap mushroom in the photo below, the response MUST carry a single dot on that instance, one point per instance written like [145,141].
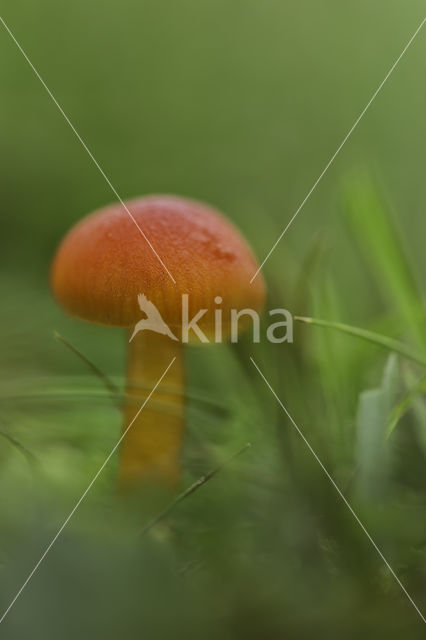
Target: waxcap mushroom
[102,272]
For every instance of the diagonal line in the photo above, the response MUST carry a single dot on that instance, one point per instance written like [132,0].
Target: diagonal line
[86,148]
[339,491]
[83,495]
[339,148]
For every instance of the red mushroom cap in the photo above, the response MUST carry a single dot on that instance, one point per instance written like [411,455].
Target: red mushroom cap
[103,263]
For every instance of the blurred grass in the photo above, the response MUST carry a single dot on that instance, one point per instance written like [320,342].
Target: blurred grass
[239,104]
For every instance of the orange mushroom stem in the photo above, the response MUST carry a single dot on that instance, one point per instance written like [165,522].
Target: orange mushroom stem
[152,444]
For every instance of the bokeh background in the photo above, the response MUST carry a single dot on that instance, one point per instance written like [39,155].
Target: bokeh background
[240,104]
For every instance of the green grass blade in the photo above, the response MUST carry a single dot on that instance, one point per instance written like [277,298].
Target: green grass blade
[372,451]
[375,338]
[372,226]
[106,380]
[29,456]
[404,405]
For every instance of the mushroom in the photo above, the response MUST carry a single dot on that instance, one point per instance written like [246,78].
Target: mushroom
[106,273]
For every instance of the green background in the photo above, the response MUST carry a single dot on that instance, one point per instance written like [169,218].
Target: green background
[240,103]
